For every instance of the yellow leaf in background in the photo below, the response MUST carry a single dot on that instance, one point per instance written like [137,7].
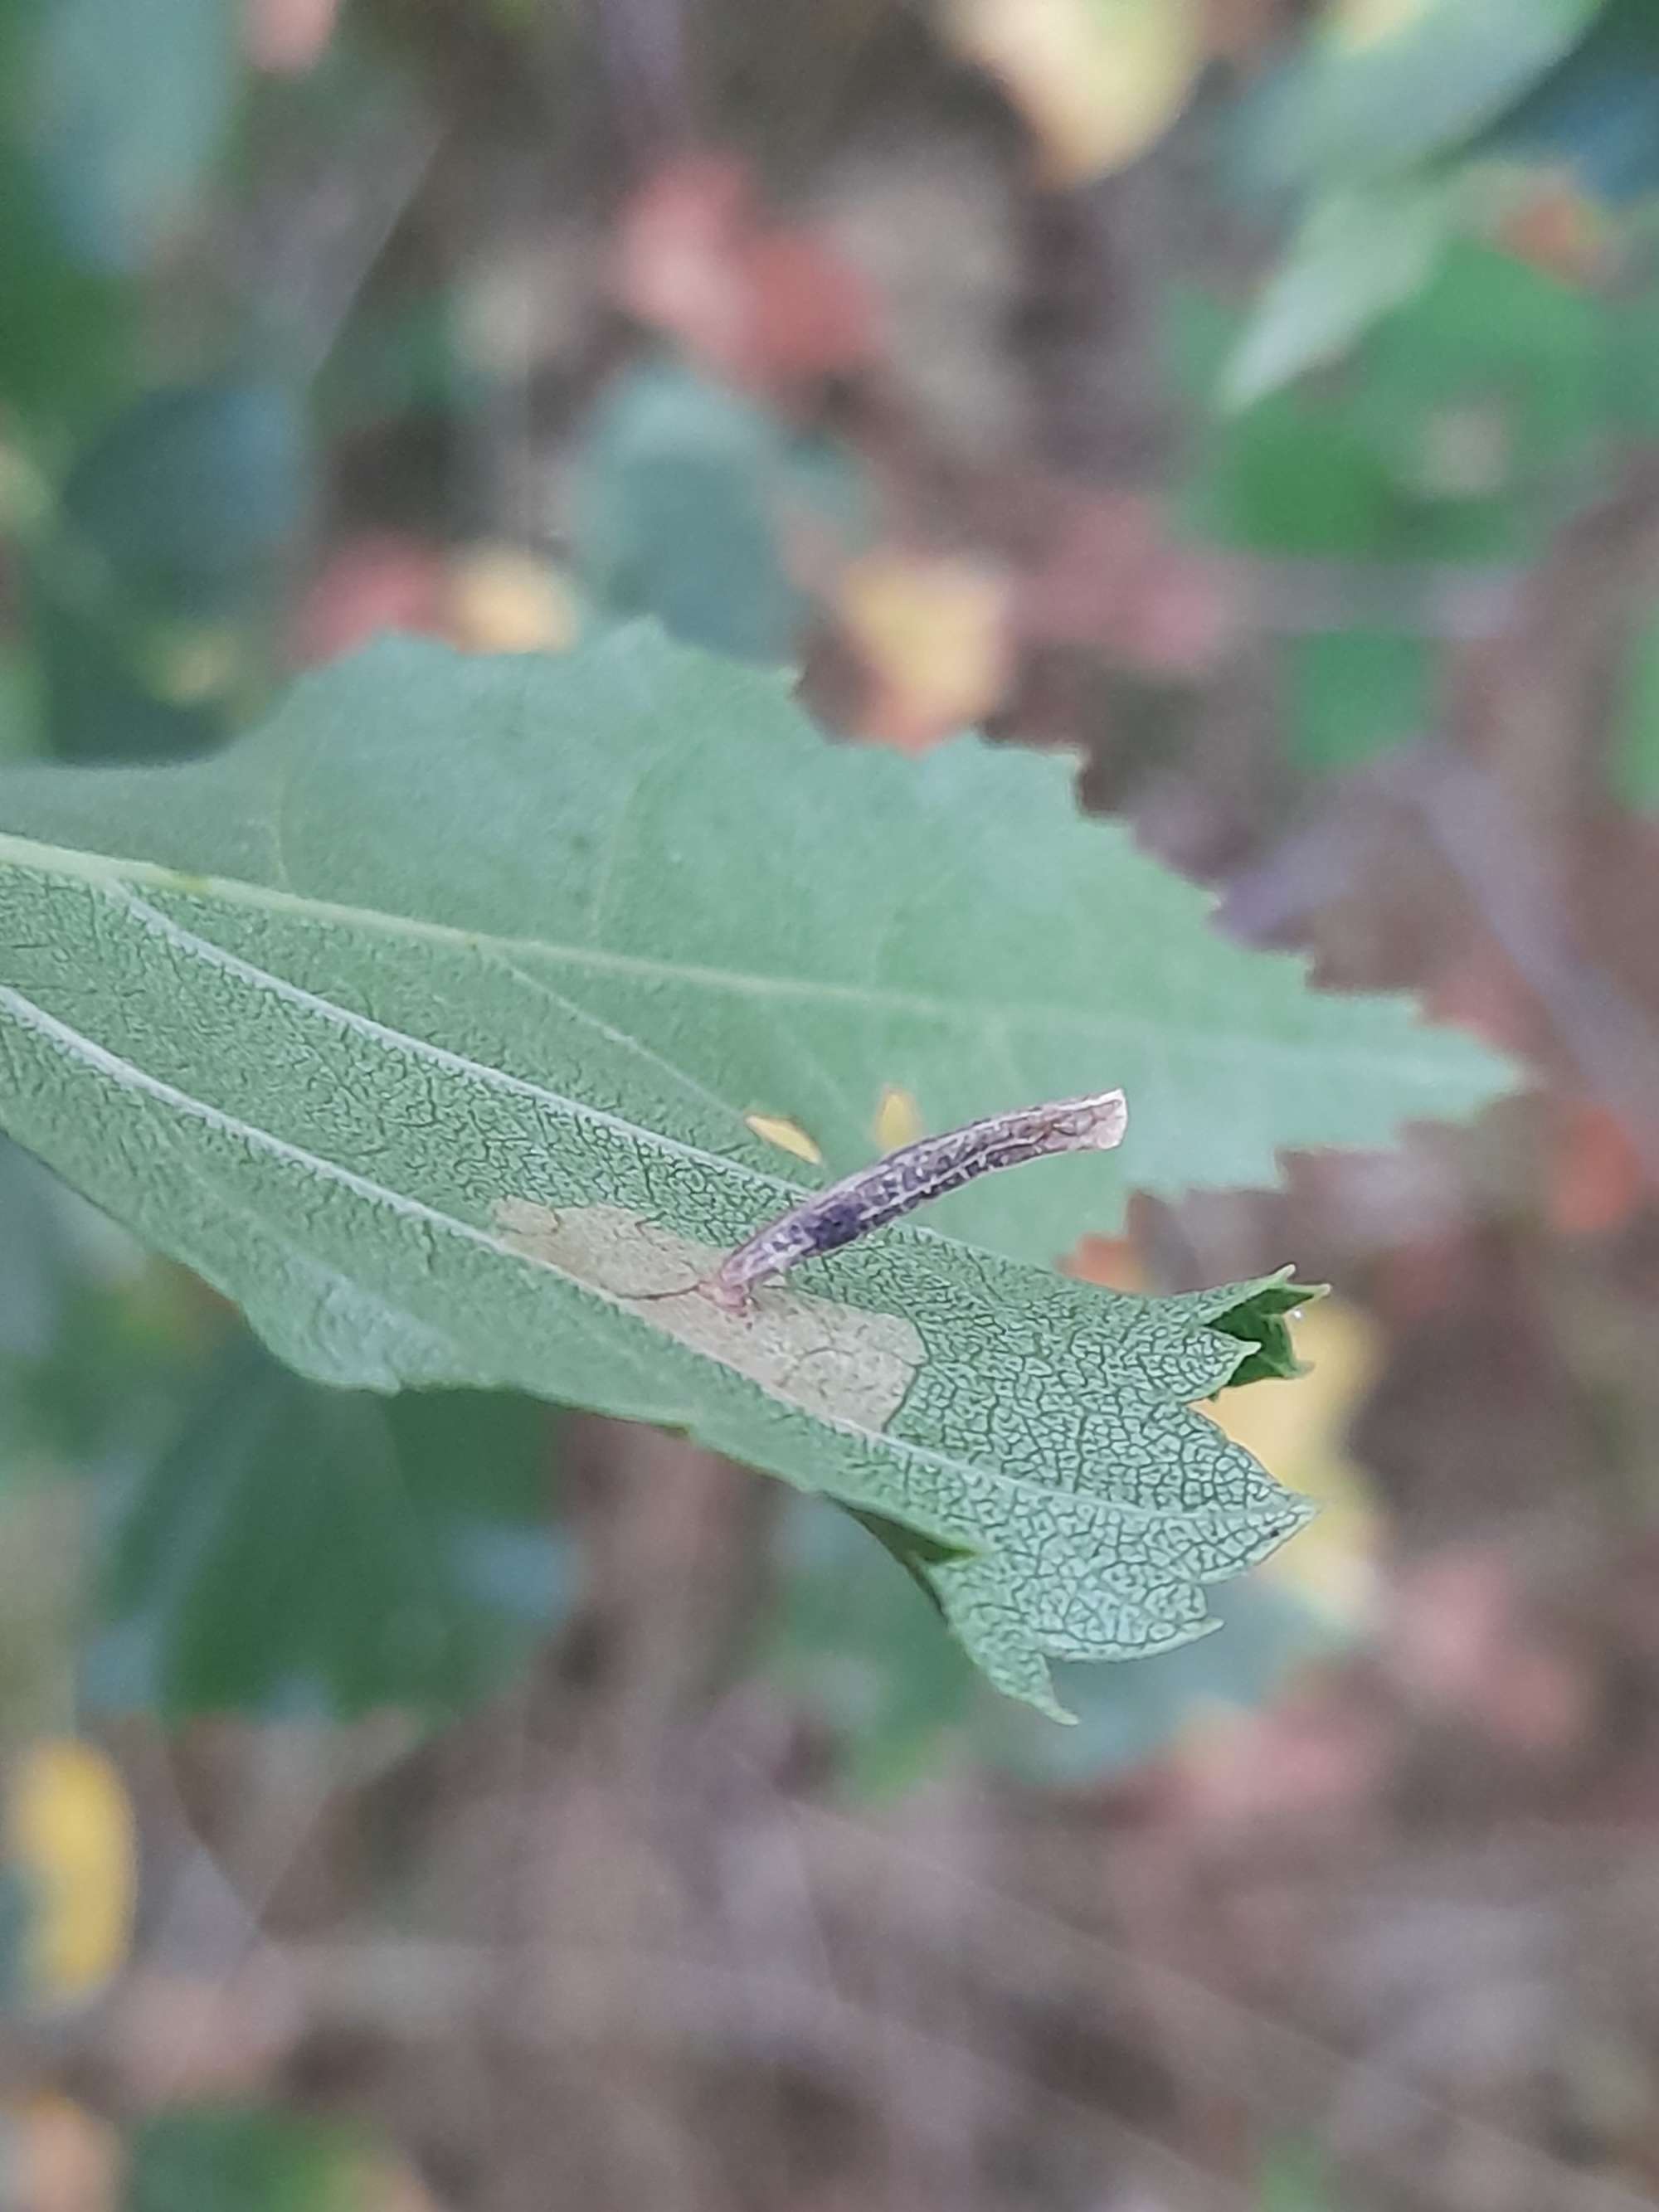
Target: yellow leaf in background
[898,1120]
[188,662]
[1358,24]
[68,1833]
[935,638]
[502,599]
[1096,80]
[788,1136]
[1300,1429]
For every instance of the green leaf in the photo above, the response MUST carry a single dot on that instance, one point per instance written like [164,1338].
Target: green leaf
[1262,1321]
[846,1636]
[1352,694]
[424,1023]
[294,1548]
[242,2158]
[1593,114]
[65,335]
[639,869]
[1295,2175]
[155,578]
[84,1357]
[687,497]
[1633,385]
[21,1904]
[1358,253]
[21,704]
[193,492]
[1469,415]
[1376,89]
[131,101]
[1292,476]
[35,1269]
[1492,334]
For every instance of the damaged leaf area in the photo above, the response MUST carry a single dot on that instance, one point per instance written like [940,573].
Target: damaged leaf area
[412,1025]
[834,1361]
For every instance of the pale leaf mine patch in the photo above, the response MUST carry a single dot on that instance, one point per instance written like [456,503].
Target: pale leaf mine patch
[834,1362]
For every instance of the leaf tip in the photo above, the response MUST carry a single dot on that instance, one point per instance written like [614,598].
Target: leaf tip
[1041,1698]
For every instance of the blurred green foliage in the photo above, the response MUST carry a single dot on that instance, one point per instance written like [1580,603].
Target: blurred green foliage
[128,101]
[1295,2176]
[689,497]
[242,2158]
[294,1551]
[154,582]
[1348,694]
[1374,91]
[1462,430]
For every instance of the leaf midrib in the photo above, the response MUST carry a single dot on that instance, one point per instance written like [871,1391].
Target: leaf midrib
[101,868]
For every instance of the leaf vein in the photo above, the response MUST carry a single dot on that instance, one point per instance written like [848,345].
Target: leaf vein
[958,1013]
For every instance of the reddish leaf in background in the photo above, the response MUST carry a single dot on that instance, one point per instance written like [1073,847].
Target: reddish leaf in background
[1243,30]
[1466,1639]
[370,584]
[1561,230]
[675,263]
[1111,576]
[1430,1275]
[1114,1262]
[769,306]
[1482,992]
[1320,1757]
[287,37]
[484,598]
[810,315]
[1597,1181]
